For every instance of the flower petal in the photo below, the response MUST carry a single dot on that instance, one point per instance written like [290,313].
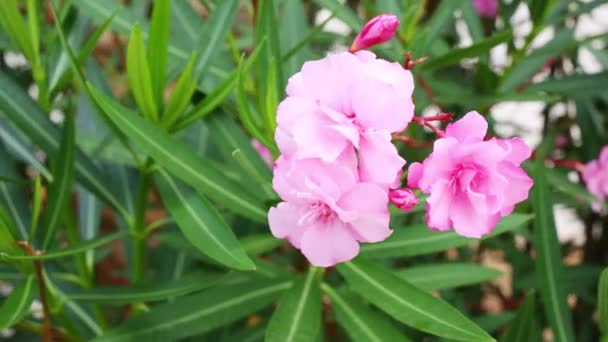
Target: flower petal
[472,126]
[330,244]
[365,207]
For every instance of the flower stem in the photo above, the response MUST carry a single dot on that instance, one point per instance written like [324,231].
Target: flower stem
[47,328]
[139,227]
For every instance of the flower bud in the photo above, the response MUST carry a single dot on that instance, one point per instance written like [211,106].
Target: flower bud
[486,8]
[377,31]
[403,198]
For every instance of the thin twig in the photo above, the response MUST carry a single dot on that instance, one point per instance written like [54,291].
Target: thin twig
[47,328]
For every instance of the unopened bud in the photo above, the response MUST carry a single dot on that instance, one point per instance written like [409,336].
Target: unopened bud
[403,198]
[377,31]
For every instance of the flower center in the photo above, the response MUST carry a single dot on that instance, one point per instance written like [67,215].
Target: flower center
[317,212]
[465,176]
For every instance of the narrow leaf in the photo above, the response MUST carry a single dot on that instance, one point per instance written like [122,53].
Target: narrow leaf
[448,275]
[158,47]
[74,249]
[180,96]
[408,304]
[139,75]
[548,257]
[360,322]
[418,239]
[602,302]
[22,149]
[17,305]
[181,160]
[187,284]
[524,327]
[298,317]
[197,314]
[60,190]
[16,105]
[202,224]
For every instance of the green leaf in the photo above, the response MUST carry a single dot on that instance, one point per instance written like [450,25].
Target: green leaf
[17,305]
[60,189]
[202,224]
[419,239]
[197,314]
[578,85]
[158,46]
[359,321]
[74,249]
[187,284]
[181,95]
[266,30]
[448,275]
[294,27]
[456,55]
[7,243]
[89,217]
[14,198]
[27,115]
[139,75]
[100,10]
[227,134]
[219,94]
[181,160]
[560,181]
[244,111]
[409,304]
[12,22]
[260,243]
[215,32]
[22,149]
[345,13]
[524,327]
[602,301]
[298,317]
[548,257]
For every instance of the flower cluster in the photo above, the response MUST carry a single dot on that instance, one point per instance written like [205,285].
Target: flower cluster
[471,182]
[337,161]
[338,169]
[595,175]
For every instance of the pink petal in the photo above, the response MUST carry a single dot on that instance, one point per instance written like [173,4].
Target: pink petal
[470,216]
[327,245]
[283,221]
[517,149]
[365,208]
[438,206]
[414,174]
[519,184]
[472,126]
[379,161]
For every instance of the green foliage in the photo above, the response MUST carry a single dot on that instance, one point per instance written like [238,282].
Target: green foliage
[143,213]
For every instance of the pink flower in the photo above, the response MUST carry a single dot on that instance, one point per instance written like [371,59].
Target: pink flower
[327,210]
[486,8]
[378,30]
[471,182]
[263,151]
[343,101]
[595,175]
[403,198]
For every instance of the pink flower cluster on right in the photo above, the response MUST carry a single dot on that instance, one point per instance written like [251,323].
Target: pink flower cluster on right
[471,182]
[595,175]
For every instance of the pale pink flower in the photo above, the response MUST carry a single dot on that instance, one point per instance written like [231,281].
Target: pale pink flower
[263,151]
[378,30]
[486,8]
[327,211]
[595,175]
[347,100]
[471,183]
[403,198]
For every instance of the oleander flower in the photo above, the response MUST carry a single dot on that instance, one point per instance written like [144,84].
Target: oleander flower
[595,175]
[378,30]
[327,210]
[486,8]
[471,182]
[343,101]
